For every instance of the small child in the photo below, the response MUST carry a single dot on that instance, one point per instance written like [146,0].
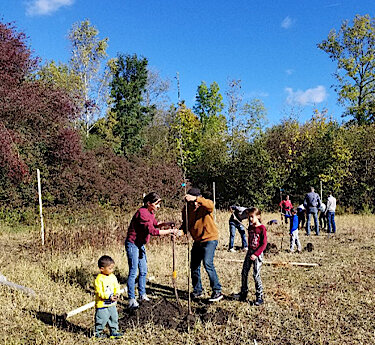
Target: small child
[106,296]
[294,239]
[254,256]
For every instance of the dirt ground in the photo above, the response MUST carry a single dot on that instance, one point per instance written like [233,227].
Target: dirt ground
[170,315]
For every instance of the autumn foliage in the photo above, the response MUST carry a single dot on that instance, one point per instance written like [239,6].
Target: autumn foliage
[37,130]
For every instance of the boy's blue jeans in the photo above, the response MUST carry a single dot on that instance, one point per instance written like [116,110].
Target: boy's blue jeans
[232,230]
[331,221]
[136,260]
[204,251]
[315,215]
[106,315]
[257,265]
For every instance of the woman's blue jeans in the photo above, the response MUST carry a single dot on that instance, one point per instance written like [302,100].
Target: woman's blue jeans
[136,260]
[204,251]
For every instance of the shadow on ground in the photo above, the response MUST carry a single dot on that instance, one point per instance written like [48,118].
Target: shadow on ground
[60,321]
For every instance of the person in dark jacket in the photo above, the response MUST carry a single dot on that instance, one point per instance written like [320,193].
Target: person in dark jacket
[312,204]
[235,222]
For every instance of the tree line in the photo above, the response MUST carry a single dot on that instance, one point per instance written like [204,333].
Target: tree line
[103,131]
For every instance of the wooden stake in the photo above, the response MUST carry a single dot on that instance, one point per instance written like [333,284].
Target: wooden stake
[214,194]
[40,206]
[174,274]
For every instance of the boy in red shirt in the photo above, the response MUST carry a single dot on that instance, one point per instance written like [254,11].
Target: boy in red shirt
[254,256]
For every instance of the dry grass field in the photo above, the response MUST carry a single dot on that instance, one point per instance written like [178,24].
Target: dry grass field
[330,304]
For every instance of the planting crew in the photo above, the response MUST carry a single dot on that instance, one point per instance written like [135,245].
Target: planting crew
[106,296]
[142,225]
[331,208]
[294,239]
[235,222]
[203,229]
[254,256]
[312,204]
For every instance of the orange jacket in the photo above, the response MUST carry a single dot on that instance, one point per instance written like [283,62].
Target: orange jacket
[201,221]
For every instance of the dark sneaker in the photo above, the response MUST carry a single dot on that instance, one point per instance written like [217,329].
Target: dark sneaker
[216,296]
[259,301]
[196,295]
[116,335]
[240,297]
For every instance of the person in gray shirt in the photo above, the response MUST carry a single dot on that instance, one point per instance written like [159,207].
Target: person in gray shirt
[312,204]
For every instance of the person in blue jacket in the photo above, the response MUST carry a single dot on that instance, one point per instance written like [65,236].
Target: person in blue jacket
[294,239]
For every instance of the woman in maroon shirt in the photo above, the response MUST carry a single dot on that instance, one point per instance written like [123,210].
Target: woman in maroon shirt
[142,226]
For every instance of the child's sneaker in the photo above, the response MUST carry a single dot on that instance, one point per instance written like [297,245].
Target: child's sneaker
[116,335]
[133,304]
[100,336]
[259,301]
[144,298]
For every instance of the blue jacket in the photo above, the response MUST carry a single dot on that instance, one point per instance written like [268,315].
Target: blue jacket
[293,223]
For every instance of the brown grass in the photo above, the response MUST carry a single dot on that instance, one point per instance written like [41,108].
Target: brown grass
[330,304]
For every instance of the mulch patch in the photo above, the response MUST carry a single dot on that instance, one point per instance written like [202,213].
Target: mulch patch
[164,313]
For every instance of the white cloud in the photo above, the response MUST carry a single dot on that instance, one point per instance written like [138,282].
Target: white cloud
[287,22]
[257,94]
[289,71]
[45,7]
[309,97]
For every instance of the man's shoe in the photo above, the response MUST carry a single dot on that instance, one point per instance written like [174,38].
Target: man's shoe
[216,296]
[259,301]
[232,250]
[133,304]
[240,297]
[144,298]
[196,295]
[116,335]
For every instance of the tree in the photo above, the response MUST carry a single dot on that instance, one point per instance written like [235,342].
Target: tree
[88,52]
[209,103]
[128,109]
[353,48]
[63,77]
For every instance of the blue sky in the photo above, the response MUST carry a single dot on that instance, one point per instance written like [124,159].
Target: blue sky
[270,45]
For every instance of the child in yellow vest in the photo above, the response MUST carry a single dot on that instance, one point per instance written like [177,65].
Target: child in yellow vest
[106,295]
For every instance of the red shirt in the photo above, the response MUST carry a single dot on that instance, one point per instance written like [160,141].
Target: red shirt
[257,239]
[142,225]
[286,205]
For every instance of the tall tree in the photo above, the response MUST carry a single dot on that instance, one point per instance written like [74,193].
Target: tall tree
[353,49]
[88,53]
[209,103]
[129,111]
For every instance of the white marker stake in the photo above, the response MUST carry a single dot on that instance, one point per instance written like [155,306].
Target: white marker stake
[40,206]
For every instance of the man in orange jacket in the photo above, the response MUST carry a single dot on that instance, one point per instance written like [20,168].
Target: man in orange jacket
[203,229]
